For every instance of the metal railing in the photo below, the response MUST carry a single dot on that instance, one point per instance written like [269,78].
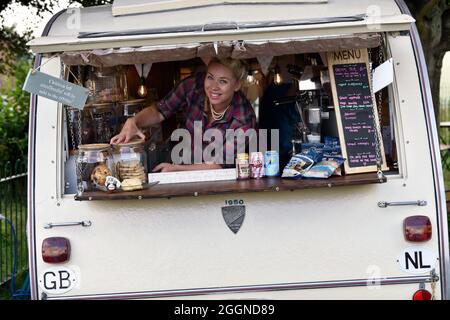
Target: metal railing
[13,205]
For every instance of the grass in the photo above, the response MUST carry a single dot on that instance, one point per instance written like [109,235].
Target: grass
[5,289]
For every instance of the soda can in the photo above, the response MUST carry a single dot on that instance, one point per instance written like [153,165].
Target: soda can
[256,165]
[272,163]
[242,166]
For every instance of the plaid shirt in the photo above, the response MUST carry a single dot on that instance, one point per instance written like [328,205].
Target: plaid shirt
[190,96]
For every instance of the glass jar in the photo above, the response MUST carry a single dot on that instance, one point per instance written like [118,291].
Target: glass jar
[131,161]
[95,162]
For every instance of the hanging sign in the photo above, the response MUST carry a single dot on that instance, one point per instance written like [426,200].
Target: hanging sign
[356,112]
[56,89]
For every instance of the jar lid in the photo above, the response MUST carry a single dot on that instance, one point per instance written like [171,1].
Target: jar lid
[94,146]
[131,143]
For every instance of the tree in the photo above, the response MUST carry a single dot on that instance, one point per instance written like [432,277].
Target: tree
[15,61]
[433,23]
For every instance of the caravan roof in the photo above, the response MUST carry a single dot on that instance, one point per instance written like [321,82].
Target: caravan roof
[97,27]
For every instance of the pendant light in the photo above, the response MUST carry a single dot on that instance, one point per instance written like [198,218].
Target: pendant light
[142,90]
[277,79]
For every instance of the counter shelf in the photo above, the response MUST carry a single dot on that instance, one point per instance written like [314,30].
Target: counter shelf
[269,184]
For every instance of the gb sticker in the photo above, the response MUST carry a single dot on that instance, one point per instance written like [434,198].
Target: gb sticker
[58,280]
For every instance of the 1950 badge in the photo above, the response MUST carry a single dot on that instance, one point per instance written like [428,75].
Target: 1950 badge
[234,214]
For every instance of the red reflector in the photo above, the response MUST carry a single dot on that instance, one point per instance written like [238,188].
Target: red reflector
[56,250]
[422,295]
[417,228]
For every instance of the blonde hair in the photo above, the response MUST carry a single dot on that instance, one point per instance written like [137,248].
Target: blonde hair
[238,67]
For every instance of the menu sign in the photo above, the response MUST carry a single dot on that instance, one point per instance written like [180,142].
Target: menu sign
[356,112]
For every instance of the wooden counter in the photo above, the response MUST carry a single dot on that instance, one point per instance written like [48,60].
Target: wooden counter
[232,186]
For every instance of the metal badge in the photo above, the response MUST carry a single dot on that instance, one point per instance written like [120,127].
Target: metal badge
[234,217]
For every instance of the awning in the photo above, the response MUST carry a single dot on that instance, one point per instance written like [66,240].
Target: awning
[237,49]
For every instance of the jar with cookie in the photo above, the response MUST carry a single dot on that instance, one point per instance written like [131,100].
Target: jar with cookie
[95,163]
[131,164]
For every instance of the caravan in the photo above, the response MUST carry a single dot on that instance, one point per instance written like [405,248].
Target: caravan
[377,231]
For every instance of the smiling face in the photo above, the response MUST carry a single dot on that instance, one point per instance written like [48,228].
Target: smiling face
[220,85]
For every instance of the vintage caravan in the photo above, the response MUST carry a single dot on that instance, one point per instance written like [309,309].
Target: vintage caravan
[376,231]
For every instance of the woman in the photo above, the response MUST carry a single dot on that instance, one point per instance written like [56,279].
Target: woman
[212,99]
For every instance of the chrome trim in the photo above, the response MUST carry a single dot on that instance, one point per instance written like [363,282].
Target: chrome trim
[51,225]
[435,155]
[385,204]
[254,288]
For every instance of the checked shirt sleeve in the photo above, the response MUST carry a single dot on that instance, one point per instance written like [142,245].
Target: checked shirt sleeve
[177,98]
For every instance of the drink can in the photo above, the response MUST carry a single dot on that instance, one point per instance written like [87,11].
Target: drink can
[272,163]
[256,165]
[242,166]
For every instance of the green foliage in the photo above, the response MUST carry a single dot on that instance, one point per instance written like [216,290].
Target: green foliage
[12,47]
[14,106]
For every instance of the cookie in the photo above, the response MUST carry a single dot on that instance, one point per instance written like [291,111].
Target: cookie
[99,174]
[131,184]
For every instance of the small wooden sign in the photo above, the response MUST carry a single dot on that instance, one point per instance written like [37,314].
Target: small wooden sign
[355,110]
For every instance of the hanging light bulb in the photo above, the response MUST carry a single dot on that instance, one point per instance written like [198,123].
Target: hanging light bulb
[250,77]
[277,79]
[142,89]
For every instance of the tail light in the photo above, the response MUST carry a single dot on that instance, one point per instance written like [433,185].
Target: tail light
[417,228]
[422,294]
[56,250]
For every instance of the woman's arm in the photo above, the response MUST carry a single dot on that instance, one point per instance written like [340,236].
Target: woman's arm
[145,118]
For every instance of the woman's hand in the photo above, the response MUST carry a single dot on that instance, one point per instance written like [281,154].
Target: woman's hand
[166,167]
[128,132]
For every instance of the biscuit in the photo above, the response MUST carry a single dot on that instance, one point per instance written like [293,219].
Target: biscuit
[131,184]
[100,173]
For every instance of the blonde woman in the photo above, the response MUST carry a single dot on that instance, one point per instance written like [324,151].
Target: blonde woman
[213,98]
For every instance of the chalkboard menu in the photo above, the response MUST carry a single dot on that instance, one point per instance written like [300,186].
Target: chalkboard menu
[355,110]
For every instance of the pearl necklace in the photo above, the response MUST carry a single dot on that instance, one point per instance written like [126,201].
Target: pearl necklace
[218,115]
